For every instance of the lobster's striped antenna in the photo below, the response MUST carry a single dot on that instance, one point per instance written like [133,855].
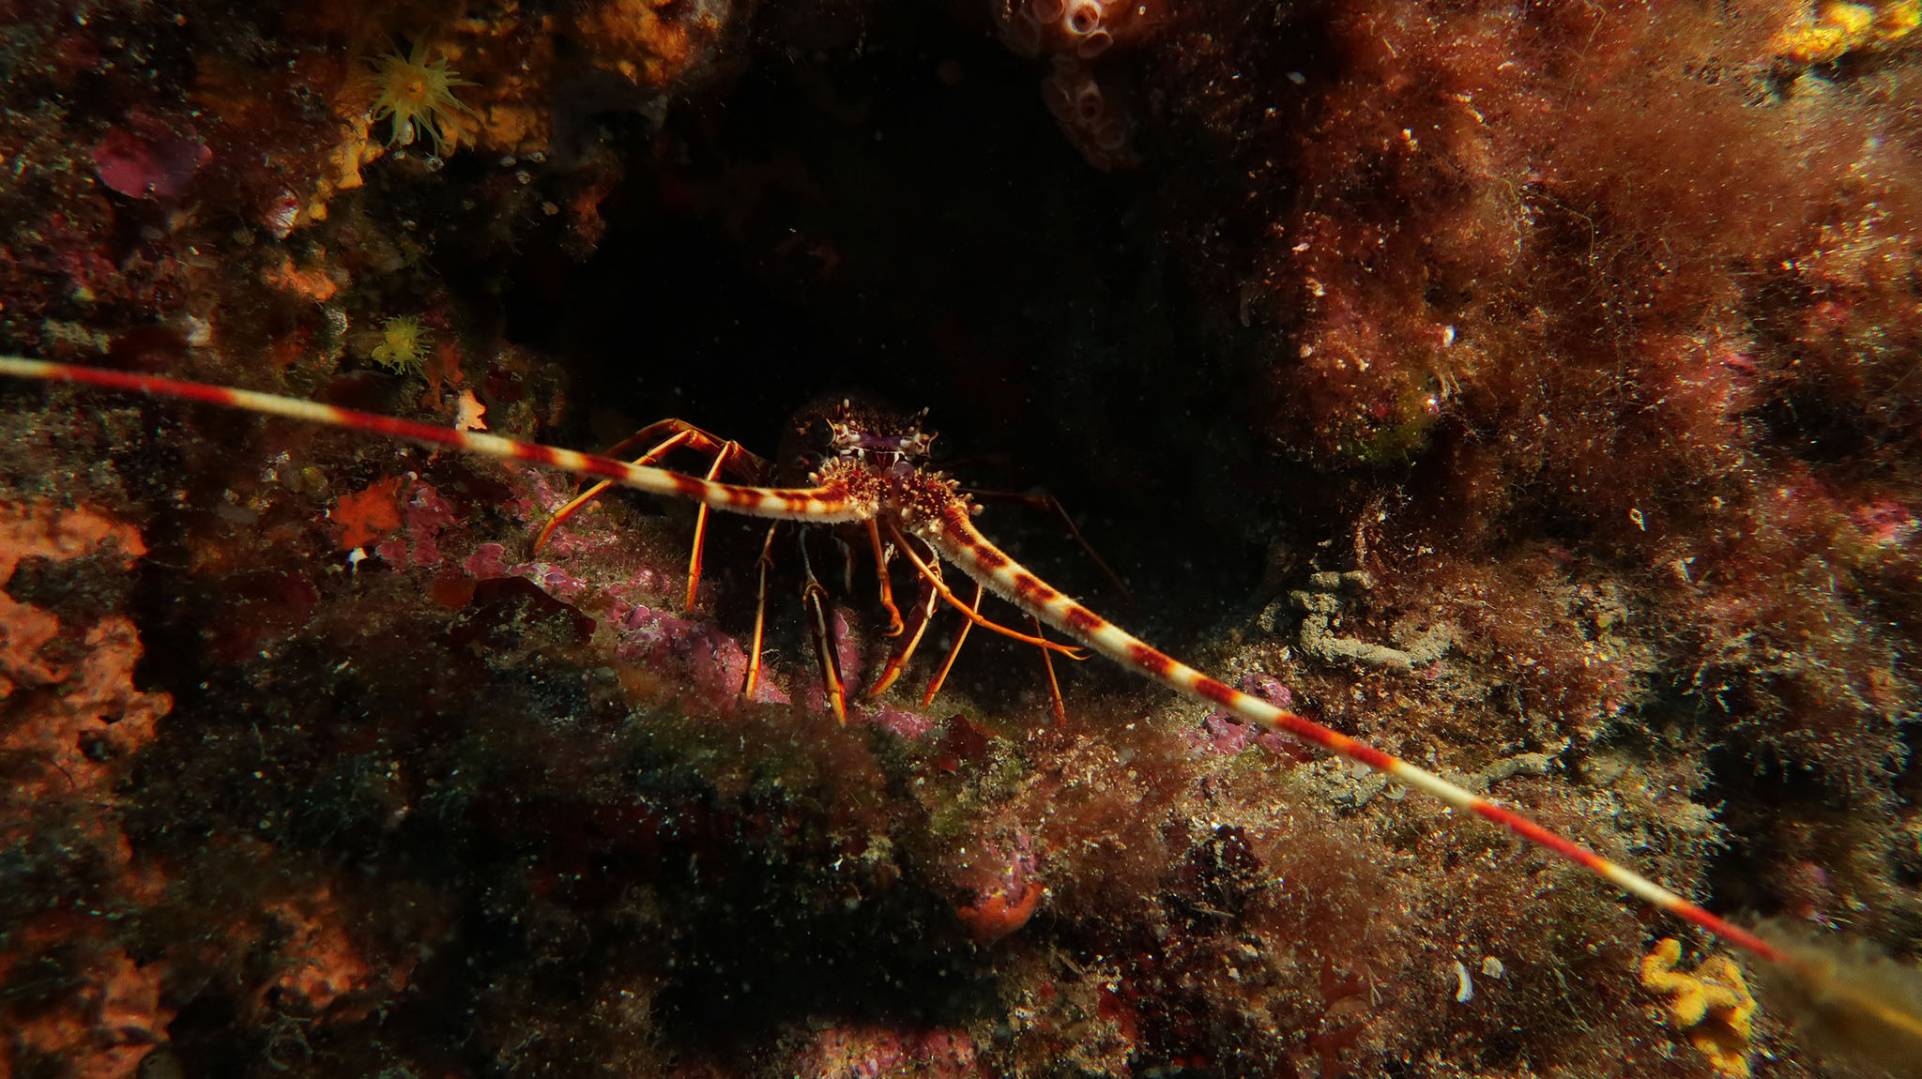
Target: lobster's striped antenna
[959,542]
[956,538]
[953,536]
[822,505]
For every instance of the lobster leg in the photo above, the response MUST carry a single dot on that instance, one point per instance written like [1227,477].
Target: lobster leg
[700,526]
[1055,706]
[975,617]
[679,433]
[814,598]
[581,501]
[926,600]
[750,466]
[752,679]
[887,587]
[954,650]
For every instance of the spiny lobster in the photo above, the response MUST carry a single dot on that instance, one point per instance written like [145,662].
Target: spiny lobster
[872,472]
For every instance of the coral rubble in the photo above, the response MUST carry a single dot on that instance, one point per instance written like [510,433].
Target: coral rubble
[1527,388]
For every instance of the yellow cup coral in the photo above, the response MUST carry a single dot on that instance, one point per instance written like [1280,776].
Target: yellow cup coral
[416,92]
[402,347]
[1838,28]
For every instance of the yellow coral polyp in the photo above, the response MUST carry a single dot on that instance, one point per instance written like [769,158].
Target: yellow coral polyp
[416,93]
[402,347]
[1712,1005]
[1842,26]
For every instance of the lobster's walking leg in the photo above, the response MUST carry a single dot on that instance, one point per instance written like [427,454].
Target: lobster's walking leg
[954,650]
[752,679]
[974,615]
[1055,706]
[926,600]
[887,587]
[700,526]
[751,465]
[814,597]
[679,433]
[581,501]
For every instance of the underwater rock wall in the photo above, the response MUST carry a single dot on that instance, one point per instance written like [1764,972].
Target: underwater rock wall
[1527,388]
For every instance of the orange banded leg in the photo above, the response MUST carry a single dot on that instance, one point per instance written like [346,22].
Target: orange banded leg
[679,434]
[974,615]
[754,467]
[752,680]
[1055,706]
[580,501]
[814,597]
[728,450]
[954,650]
[887,587]
[926,600]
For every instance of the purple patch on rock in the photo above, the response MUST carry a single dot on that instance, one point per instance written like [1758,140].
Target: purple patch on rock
[1221,731]
[145,161]
[488,560]
[902,724]
[714,664]
[424,515]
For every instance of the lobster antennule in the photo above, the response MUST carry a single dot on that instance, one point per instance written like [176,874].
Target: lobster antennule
[823,505]
[960,543]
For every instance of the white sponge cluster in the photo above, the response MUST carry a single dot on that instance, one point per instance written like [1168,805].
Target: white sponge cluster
[1072,34]
[1082,28]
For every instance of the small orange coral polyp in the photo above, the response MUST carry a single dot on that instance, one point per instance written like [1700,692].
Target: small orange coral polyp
[368,514]
[999,913]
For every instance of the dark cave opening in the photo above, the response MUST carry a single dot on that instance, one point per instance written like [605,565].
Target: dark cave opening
[905,220]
